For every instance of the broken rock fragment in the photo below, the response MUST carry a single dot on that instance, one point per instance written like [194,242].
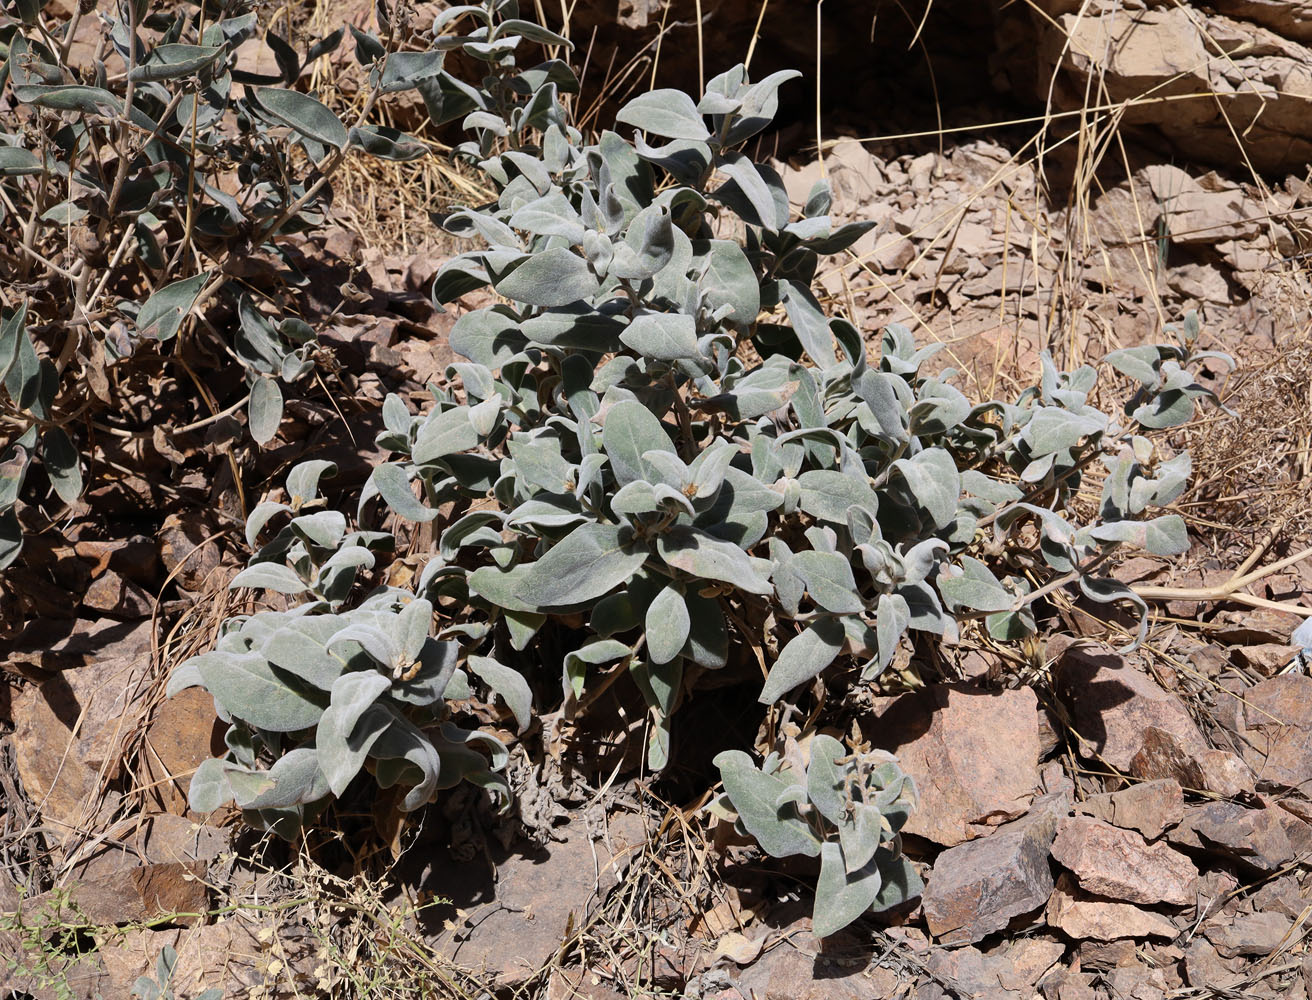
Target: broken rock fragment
[1120,864]
[974,756]
[1086,917]
[1151,807]
[979,887]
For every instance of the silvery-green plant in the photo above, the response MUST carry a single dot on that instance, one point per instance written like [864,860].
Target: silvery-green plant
[613,487]
[135,189]
[316,694]
[846,809]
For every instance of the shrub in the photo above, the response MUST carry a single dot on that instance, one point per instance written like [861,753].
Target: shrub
[132,196]
[607,476]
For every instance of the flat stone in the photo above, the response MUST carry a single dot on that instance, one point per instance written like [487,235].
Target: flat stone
[1086,917]
[508,928]
[1164,754]
[1137,982]
[119,597]
[1008,972]
[573,984]
[69,728]
[161,838]
[1113,703]
[1151,807]
[1068,984]
[973,754]
[1255,837]
[1266,658]
[1120,864]
[1278,723]
[184,732]
[1253,934]
[790,973]
[145,892]
[978,888]
[1203,967]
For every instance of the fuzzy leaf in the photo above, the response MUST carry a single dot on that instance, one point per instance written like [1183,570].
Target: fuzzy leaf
[164,311]
[805,656]
[246,687]
[702,555]
[754,795]
[554,277]
[510,684]
[305,114]
[670,113]
[668,625]
[841,898]
[584,565]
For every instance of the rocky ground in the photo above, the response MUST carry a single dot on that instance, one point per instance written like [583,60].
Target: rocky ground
[1091,825]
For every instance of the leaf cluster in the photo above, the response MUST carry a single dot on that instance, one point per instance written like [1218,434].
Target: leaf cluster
[136,189]
[846,809]
[614,488]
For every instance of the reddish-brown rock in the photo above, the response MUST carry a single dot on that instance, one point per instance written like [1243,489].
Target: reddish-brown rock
[1278,723]
[145,892]
[1007,972]
[1119,864]
[790,972]
[1086,917]
[1113,703]
[1150,808]
[979,887]
[69,732]
[1203,967]
[1248,933]
[973,754]
[1165,754]
[1266,658]
[183,733]
[1255,837]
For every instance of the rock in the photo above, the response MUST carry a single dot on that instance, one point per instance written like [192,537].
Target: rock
[1255,837]
[1086,917]
[1113,703]
[1281,895]
[1266,658]
[162,838]
[190,551]
[1167,755]
[183,733]
[573,984]
[1107,954]
[1119,864]
[1150,808]
[1249,934]
[119,597]
[790,973]
[1024,962]
[1134,725]
[1008,972]
[1203,967]
[509,928]
[979,887]
[1137,982]
[1068,985]
[146,892]
[1278,724]
[76,723]
[229,954]
[1254,625]
[1217,71]
[973,754]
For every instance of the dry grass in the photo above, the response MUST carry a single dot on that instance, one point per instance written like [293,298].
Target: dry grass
[1251,470]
